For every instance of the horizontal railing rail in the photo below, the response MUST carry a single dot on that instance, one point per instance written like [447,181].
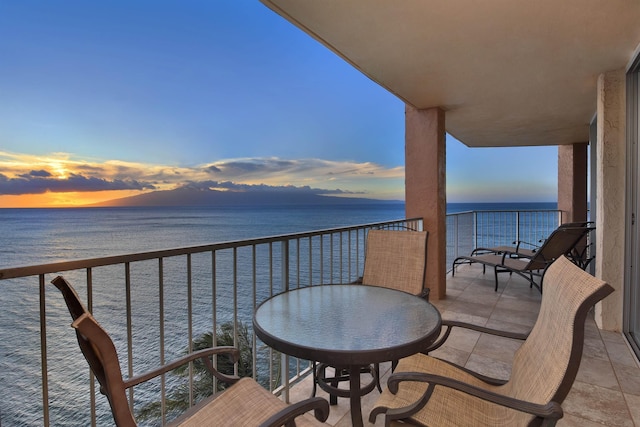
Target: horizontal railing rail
[157,305]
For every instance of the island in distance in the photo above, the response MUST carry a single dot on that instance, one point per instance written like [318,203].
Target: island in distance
[265,195]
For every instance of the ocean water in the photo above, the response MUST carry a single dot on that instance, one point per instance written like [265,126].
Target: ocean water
[40,236]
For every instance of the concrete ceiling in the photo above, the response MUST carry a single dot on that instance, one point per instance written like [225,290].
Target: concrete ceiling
[506,72]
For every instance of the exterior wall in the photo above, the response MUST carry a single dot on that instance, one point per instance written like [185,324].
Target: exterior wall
[572,182]
[610,204]
[425,187]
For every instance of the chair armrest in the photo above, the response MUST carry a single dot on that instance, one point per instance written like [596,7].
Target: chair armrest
[450,324]
[533,245]
[204,354]
[551,411]
[320,410]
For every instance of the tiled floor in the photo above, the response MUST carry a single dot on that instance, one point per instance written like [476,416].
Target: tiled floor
[606,390]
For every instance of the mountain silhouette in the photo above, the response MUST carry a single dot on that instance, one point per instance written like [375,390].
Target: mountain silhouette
[208,197]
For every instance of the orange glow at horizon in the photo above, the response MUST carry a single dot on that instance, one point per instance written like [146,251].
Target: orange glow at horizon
[63,200]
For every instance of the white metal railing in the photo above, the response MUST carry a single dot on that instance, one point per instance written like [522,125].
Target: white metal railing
[154,305]
[472,229]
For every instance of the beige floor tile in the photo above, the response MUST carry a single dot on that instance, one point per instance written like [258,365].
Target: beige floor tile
[569,420]
[479,296]
[598,404]
[451,354]
[487,283]
[633,402]
[629,378]
[471,308]
[619,353]
[520,289]
[595,348]
[525,318]
[443,304]
[591,329]
[489,367]
[513,303]
[598,372]
[501,325]
[612,336]
[463,339]
[464,317]
[498,348]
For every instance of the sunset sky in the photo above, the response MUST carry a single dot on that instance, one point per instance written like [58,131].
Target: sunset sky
[101,100]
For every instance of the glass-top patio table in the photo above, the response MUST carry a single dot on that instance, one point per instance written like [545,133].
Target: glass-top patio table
[349,326]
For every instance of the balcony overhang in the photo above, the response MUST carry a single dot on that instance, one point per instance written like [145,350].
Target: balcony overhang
[506,73]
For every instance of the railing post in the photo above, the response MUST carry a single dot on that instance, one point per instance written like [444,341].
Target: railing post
[517,226]
[285,265]
[92,382]
[43,353]
[127,285]
[475,227]
[456,238]
[284,359]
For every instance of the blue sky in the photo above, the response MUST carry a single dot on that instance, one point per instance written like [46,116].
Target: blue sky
[106,99]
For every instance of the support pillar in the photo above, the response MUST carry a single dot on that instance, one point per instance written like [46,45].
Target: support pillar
[572,182]
[610,203]
[425,187]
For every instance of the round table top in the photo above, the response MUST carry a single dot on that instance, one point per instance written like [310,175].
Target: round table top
[347,324]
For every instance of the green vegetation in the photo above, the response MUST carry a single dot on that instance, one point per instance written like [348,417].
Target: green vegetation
[177,400]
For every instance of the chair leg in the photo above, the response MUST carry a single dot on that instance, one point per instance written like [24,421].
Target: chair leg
[315,380]
[495,272]
[333,399]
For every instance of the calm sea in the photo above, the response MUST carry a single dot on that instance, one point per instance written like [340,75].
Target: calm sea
[39,236]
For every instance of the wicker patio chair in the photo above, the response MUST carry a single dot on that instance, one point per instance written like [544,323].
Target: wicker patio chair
[395,259]
[244,403]
[562,241]
[433,392]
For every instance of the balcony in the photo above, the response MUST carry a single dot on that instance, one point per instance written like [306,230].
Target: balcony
[135,297]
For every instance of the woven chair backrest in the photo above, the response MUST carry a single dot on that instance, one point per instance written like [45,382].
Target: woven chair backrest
[560,242]
[396,259]
[545,366]
[99,351]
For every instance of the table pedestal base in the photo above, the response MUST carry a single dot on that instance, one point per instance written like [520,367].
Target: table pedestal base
[355,390]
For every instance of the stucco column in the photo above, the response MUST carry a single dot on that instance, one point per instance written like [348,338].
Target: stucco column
[425,187]
[572,182]
[610,203]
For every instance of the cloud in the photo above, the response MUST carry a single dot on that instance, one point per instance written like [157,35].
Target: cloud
[33,184]
[61,172]
[41,173]
[319,169]
[263,188]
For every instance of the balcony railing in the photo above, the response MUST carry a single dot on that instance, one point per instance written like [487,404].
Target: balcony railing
[472,229]
[155,304]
